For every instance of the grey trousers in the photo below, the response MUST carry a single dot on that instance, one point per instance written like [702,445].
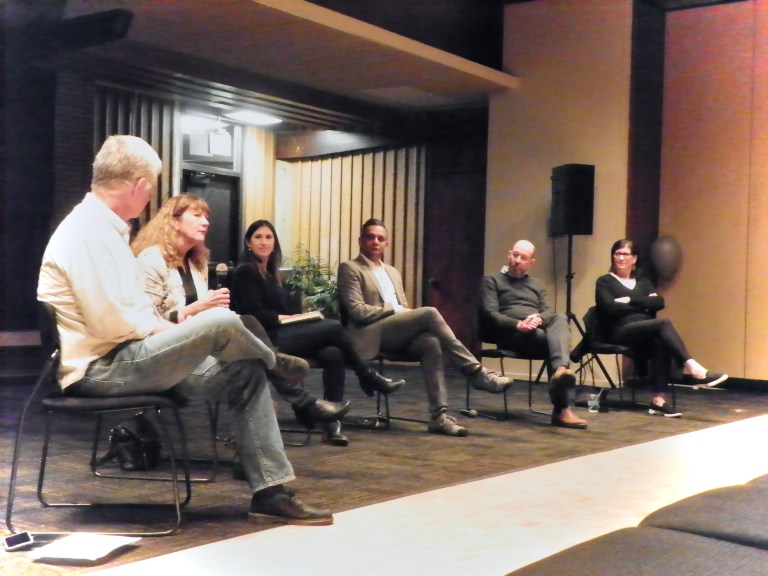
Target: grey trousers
[555,335]
[423,333]
[555,338]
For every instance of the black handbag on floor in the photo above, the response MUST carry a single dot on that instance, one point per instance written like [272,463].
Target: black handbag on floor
[134,444]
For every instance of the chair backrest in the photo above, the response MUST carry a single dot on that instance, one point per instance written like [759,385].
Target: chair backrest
[593,328]
[485,332]
[343,316]
[597,338]
[50,348]
[49,330]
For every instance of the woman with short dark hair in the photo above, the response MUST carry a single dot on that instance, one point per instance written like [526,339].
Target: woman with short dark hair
[627,307]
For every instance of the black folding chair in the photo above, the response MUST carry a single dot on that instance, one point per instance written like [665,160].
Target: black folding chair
[587,353]
[55,403]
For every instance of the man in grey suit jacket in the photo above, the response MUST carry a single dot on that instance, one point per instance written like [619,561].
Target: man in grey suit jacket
[379,320]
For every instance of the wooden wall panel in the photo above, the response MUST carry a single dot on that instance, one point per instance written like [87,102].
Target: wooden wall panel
[335,195]
[120,111]
[378,183]
[756,362]
[397,205]
[413,215]
[324,210]
[357,211]
[573,108]
[709,136]
[258,176]
[334,237]
[346,240]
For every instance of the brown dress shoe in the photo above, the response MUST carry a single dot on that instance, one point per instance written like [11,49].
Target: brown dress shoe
[566,419]
[282,506]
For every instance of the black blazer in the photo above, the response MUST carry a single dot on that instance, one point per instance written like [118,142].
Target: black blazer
[260,296]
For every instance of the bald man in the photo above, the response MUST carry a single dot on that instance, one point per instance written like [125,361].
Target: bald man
[515,315]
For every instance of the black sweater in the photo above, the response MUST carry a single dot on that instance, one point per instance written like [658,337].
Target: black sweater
[641,306]
[260,296]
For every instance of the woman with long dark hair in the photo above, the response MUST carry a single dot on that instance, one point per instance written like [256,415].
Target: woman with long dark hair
[258,289]
[627,307]
[173,260]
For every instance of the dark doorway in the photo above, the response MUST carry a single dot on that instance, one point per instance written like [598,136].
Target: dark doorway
[454,232]
[223,196]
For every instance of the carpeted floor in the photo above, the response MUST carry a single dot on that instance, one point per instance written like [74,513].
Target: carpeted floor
[378,465]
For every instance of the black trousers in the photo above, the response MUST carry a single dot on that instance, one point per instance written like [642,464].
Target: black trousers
[658,340]
[327,343]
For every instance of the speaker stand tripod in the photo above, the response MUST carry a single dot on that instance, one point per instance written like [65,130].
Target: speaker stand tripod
[594,403]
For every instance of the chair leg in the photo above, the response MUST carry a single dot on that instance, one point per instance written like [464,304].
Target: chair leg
[620,378]
[177,503]
[384,419]
[305,433]
[473,413]
[14,472]
[383,416]
[531,382]
[96,462]
[594,405]
[596,359]
[46,374]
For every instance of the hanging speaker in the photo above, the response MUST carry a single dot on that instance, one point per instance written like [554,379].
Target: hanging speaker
[573,199]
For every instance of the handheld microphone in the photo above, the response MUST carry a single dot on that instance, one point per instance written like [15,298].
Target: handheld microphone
[221,275]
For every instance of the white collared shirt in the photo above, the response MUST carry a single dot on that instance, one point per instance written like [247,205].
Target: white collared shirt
[388,292]
[89,275]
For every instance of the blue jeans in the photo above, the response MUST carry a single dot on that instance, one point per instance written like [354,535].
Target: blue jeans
[207,356]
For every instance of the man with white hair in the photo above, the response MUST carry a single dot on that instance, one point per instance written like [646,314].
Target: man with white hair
[114,342]
[516,315]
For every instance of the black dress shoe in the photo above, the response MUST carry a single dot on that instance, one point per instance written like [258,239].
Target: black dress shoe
[321,411]
[283,507]
[371,381]
[333,435]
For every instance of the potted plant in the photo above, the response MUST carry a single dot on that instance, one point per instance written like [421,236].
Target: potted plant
[311,281]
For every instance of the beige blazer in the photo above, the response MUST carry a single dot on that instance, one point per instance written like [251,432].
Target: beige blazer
[362,304]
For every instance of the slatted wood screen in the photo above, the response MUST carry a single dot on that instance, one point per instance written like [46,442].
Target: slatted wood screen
[333,196]
[119,111]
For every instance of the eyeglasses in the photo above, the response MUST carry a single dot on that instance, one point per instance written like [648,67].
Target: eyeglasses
[623,254]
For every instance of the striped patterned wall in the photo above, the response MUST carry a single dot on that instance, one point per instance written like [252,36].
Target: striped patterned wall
[333,196]
[118,111]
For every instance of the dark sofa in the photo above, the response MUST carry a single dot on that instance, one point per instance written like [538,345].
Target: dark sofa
[721,532]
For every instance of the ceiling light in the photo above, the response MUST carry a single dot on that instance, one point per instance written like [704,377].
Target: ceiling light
[191,124]
[254,118]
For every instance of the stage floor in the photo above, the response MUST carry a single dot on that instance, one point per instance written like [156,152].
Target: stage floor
[409,502]
[492,526]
